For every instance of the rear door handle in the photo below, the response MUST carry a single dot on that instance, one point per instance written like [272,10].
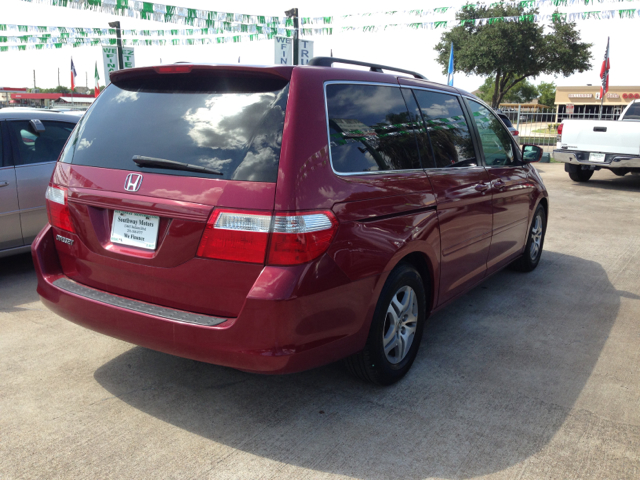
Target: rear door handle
[499,184]
[482,187]
[4,184]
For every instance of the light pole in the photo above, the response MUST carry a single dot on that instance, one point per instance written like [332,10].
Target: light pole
[116,25]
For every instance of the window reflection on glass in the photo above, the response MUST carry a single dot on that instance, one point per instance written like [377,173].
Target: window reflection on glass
[448,130]
[370,129]
[422,137]
[495,139]
[237,134]
[40,147]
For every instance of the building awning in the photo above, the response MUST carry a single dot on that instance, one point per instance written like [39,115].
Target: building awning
[43,96]
[77,99]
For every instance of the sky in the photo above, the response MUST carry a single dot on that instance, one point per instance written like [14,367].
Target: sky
[411,50]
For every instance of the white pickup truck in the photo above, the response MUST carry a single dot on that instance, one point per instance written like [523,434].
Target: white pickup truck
[589,145]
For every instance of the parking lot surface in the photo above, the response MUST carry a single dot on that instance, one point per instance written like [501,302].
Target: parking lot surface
[526,376]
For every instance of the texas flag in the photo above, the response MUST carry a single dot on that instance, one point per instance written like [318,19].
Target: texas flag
[73,75]
[604,72]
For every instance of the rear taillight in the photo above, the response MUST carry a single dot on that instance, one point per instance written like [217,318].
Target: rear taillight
[57,209]
[560,132]
[243,236]
[299,238]
[236,235]
[516,133]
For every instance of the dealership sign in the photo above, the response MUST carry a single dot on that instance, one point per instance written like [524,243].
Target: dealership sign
[581,95]
[284,51]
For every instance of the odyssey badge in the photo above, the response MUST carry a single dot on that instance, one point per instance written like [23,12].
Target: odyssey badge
[66,240]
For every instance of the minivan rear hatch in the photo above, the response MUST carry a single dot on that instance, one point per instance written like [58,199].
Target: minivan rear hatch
[157,153]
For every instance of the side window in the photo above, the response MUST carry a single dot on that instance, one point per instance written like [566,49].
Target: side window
[370,129]
[424,144]
[448,129]
[1,147]
[495,139]
[40,147]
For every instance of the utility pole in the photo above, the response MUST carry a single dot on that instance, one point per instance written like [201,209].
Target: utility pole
[58,76]
[116,25]
[296,33]
[34,79]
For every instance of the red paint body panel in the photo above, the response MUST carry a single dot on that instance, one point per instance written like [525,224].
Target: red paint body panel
[289,322]
[465,219]
[514,194]
[169,276]
[282,319]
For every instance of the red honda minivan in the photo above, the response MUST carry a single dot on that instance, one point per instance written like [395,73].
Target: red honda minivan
[274,219]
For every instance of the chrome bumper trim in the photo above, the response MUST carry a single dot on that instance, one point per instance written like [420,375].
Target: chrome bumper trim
[135,305]
[618,161]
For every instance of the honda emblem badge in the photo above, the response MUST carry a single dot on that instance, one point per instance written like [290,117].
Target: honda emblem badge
[132,182]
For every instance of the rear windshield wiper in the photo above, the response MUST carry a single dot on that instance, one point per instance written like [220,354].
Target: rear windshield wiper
[172,165]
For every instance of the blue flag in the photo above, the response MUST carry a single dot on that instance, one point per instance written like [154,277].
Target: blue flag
[450,81]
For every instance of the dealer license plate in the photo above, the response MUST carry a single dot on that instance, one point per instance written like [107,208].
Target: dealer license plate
[597,157]
[135,229]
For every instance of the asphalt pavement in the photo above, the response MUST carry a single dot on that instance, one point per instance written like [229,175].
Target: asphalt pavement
[527,376]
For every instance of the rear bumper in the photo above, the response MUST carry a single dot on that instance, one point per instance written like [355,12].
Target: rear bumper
[575,157]
[283,327]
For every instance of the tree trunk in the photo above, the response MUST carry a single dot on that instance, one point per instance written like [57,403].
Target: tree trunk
[497,96]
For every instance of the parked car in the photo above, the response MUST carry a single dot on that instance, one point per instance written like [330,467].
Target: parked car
[509,125]
[275,219]
[30,142]
[589,145]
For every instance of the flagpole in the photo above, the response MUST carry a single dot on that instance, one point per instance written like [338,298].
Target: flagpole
[604,76]
[601,102]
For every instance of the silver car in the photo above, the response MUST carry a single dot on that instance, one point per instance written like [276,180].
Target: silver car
[30,142]
[505,119]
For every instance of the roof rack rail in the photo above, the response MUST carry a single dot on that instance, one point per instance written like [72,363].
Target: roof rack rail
[374,67]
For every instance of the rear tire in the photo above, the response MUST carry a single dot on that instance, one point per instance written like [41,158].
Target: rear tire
[396,329]
[577,174]
[535,241]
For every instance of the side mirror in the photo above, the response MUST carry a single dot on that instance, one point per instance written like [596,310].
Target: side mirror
[531,153]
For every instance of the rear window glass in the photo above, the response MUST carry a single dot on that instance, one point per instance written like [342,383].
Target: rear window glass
[235,133]
[370,129]
[633,113]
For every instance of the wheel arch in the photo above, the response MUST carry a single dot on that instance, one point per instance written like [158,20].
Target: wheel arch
[422,263]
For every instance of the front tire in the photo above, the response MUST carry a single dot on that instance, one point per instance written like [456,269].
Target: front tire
[396,329]
[535,241]
[577,174]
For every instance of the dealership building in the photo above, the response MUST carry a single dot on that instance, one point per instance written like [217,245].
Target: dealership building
[586,100]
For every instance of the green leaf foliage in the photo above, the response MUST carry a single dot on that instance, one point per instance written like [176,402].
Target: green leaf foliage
[510,52]
[523,92]
[547,93]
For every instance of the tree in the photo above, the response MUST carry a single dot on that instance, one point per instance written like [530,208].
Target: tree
[58,89]
[510,52]
[547,93]
[523,92]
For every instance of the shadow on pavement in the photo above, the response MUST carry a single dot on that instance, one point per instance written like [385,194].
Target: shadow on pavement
[17,282]
[628,183]
[496,376]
